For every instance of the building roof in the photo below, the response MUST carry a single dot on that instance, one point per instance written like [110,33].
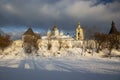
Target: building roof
[54,28]
[113,29]
[78,25]
[29,32]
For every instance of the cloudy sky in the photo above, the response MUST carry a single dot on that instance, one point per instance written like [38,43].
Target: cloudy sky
[41,15]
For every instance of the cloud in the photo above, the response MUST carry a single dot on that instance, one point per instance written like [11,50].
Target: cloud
[65,13]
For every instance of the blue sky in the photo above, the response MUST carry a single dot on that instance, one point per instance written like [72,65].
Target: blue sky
[105,1]
[41,15]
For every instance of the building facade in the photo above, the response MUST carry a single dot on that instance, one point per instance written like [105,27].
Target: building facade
[79,33]
[30,39]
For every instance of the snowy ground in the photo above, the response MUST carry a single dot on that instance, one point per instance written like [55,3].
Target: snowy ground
[59,68]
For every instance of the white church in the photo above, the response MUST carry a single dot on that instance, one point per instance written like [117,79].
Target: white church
[54,36]
[57,40]
[54,33]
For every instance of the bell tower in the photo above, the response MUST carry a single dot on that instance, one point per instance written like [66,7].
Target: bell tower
[79,33]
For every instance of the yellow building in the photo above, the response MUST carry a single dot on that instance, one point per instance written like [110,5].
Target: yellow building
[79,33]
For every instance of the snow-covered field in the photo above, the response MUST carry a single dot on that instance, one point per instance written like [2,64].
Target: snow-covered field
[59,68]
[66,64]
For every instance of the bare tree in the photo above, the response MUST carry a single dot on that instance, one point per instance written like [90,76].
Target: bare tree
[60,43]
[49,46]
[100,38]
[4,41]
[113,42]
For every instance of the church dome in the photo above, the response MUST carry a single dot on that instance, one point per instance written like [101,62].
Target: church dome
[54,28]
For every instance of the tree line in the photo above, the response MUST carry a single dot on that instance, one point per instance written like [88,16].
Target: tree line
[109,41]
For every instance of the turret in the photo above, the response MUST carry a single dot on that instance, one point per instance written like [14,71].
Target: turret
[113,29]
[79,32]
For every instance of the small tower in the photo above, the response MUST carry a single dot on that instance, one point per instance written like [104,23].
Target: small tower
[55,31]
[30,41]
[113,29]
[79,33]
